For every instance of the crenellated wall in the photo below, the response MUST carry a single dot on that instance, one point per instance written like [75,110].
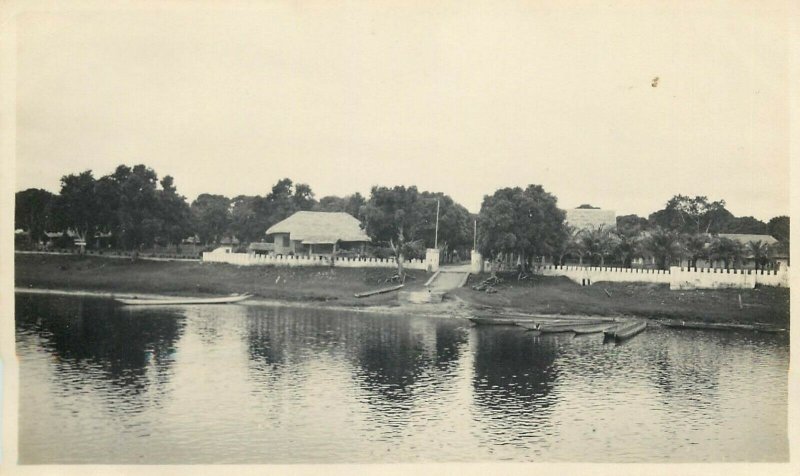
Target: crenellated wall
[713,278]
[586,275]
[245,259]
[676,277]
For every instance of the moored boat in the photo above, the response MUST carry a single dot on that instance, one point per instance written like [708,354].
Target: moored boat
[378,291]
[183,300]
[569,326]
[531,326]
[625,330]
[492,321]
[591,328]
[720,326]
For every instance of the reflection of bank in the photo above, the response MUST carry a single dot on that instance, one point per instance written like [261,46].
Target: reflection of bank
[514,374]
[387,356]
[102,345]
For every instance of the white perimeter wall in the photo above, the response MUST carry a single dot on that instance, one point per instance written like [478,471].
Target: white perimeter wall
[246,259]
[676,277]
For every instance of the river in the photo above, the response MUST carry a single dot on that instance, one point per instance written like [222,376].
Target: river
[248,383]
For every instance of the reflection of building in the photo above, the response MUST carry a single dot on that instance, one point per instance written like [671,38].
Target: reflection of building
[317,233]
[583,218]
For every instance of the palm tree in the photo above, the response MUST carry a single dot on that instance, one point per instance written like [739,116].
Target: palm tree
[665,246]
[759,251]
[626,247]
[725,249]
[696,247]
[597,243]
[568,243]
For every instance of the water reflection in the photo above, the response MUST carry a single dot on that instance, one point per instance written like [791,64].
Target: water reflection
[388,355]
[255,384]
[514,372]
[98,339]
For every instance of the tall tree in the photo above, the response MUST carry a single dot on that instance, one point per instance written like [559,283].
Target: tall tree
[32,209]
[286,198]
[455,232]
[77,205]
[138,216]
[393,216]
[631,224]
[778,227]
[526,222]
[350,204]
[692,215]
[249,218]
[175,213]
[746,225]
[211,216]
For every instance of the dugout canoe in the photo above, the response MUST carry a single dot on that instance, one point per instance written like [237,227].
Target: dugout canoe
[720,326]
[492,321]
[183,300]
[591,328]
[378,291]
[625,330]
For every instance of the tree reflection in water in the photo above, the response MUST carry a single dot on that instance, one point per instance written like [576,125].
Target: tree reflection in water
[514,374]
[387,354]
[120,350]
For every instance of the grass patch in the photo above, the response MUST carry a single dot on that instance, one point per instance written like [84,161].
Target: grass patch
[559,295]
[316,284]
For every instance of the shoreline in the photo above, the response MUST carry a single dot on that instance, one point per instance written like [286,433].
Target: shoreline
[334,288]
[447,310]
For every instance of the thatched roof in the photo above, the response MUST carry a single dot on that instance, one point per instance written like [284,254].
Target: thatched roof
[320,228]
[745,238]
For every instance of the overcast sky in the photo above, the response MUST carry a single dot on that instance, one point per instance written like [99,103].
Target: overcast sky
[462,100]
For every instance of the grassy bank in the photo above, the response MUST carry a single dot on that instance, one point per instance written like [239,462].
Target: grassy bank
[319,284]
[559,295]
[543,295]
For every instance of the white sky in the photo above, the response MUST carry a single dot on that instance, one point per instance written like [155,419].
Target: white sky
[462,100]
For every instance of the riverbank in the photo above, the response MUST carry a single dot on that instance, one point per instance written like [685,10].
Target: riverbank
[334,287]
[559,295]
[321,285]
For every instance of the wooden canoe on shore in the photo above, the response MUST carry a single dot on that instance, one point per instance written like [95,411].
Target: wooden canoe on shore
[625,330]
[183,300]
[492,321]
[530,325]
[378,291]
[720,326]
[592,328]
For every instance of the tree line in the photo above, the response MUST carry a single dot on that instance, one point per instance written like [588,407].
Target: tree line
[526,224]
[136,210]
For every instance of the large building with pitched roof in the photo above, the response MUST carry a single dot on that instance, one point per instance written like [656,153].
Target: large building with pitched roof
[317,233]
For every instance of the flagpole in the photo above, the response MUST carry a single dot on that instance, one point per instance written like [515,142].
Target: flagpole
[436,236]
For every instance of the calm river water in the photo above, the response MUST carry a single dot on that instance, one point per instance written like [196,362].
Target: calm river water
[255,384]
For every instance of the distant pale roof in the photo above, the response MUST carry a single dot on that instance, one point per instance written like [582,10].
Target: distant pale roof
[582,218]
[320,227]
[746,238]
[261,246]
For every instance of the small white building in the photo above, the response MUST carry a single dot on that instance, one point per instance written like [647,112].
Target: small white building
[589,218]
